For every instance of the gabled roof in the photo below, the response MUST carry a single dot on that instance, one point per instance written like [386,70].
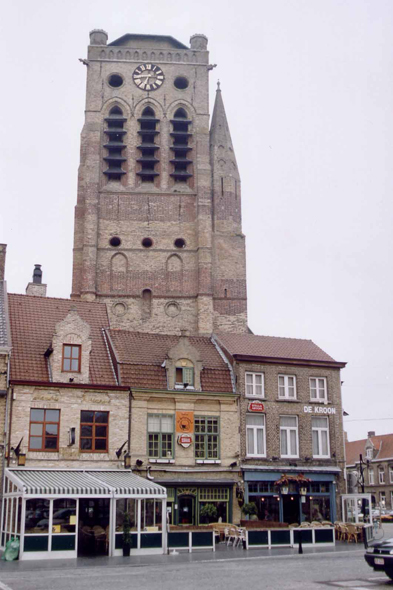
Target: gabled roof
[140,358]
[33,321]
[249,346]
[166,40]
[383,444]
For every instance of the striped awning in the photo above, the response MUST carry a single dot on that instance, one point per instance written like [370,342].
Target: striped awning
[78,482]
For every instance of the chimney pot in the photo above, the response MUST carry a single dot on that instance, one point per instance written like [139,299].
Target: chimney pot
[37,274]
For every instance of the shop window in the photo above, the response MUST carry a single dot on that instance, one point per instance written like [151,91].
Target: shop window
[37,517]
[184,374]
[268,508]
[72,354]
[123,506]
[44,430]
[256,445]
[151,514]
[94,431]
[318,389]
[320,437]
[289,436]
[160,432]
[381,472]
[206,438]
[64,516]
[287,387]
[371,480]
[254,385]
[213,494]
[316,509]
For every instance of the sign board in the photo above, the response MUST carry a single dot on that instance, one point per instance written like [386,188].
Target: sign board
[185,422]
[319,410]
[256,406]
[185,440]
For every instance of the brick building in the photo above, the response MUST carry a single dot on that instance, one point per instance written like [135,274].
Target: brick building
[377,455]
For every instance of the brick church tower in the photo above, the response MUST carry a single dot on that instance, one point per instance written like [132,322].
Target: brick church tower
[158,218]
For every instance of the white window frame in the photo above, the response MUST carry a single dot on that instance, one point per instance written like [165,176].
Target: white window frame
[382,498]
[381,475]
[286,387]
[391,476]
[254,395]
[287,430]
[254,427]
[318,397]
[319,430]
[369,453]
[371,478]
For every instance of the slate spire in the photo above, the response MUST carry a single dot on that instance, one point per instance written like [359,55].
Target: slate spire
[221,147]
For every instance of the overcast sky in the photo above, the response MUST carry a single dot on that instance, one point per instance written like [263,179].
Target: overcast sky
[308,89]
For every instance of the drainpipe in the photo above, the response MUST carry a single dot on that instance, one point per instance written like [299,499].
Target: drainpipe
[10,427]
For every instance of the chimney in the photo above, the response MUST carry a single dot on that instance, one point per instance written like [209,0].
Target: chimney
[345,436]
[371,434]
[36,288]
[3,250]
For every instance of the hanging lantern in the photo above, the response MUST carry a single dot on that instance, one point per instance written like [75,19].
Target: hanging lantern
[303,491]
[284,489]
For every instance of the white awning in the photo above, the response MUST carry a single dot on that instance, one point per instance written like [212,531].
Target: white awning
[79,482]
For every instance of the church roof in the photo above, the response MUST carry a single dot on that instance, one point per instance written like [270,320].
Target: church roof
[152,40]
[140,358]
[271,347]
[220,136]
[383,444]
[33,320]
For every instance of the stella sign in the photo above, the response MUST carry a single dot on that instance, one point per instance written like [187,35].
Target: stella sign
[185,440]
[256,406]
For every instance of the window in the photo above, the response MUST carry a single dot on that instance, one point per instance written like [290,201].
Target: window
[320,437]
[160,441]
[44,430]
[289,436]
[71,358]
[381,472]
[180,147]
[184,373]
[318,389]
[287,386]
[115,145]
[391,475]
[369,453]
[371,477]
[382,499]
[254,385]
[206,438]
[94,431]
[255,425]
[148,146]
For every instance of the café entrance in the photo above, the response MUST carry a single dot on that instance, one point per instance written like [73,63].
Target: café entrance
[186,510]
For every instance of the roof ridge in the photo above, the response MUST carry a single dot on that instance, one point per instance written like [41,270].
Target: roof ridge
[265,336]
[38,297]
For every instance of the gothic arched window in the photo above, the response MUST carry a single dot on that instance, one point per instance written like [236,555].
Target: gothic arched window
[148,147]
[180,146]
[115,144]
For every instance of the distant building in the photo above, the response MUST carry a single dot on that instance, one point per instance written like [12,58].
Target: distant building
[377,455]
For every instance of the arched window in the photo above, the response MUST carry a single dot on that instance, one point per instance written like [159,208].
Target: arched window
[119,273]
[174,268]
[180,146]
[184,374]
[115,144]
[148,147]
[146,303]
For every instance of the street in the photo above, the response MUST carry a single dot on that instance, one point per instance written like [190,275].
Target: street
[343,569]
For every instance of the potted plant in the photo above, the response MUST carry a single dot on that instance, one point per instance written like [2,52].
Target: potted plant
[209,513]
[126,535]
[250,510]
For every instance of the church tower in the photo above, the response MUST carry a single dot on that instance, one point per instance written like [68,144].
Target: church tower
[158,217]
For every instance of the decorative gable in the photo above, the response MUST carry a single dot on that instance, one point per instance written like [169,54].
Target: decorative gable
[71,344]
[184,365]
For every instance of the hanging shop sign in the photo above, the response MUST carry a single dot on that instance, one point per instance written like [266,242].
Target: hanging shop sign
[256,406]
[319,410]
[185,422]
[185,440]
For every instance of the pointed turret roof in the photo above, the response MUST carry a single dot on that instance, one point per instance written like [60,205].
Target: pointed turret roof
[220,137]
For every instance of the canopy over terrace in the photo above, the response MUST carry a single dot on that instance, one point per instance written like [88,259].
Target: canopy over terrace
[53,511]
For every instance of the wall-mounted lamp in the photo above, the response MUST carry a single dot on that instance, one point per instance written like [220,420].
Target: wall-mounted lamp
[127,461]
[119,450]
[22,459]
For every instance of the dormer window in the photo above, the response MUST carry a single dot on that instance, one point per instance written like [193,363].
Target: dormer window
[184,374]
[369,453]
[72,354]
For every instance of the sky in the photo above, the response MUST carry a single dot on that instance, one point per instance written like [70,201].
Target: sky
[308,89]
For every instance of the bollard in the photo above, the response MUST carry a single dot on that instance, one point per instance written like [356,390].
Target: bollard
[300,542]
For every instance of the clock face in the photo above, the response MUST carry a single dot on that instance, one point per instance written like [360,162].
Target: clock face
[148,77]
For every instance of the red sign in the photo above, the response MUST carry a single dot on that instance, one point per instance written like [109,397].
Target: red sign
[185,440]
[256,407]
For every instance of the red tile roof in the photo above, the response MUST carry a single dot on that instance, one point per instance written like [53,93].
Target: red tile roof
[141,355]
[33,320]
[272,347]
[383,444]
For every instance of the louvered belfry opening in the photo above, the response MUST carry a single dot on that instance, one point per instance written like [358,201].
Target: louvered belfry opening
[115,145]
[180,146]
[148,147]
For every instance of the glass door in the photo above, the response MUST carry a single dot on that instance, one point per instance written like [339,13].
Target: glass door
[186,510]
